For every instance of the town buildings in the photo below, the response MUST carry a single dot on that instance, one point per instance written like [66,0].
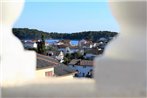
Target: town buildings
[79,58]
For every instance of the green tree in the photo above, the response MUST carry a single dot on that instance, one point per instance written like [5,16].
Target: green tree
[41,45]
[43,42]
[66,60]
[68,55]
[25,33]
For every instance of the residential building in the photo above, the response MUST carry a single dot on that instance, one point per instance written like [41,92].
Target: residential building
[45,66]
[29,44]
[83,67]
[60,57]
[85,44]
[67,49]
[59,43]
[61,47]
[92,53]
[65,42]
[74,49]
[81,42]
[50,67]
[64,71]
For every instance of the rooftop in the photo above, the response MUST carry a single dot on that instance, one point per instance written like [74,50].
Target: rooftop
[45,61]
[93,51]
[81,62]
[63,70]
[48,62]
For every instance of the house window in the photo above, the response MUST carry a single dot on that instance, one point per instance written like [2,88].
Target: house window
[49,73]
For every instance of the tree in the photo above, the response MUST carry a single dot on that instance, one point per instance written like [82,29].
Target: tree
[43,42]
[25,33]
[66,60]
[41,45]
[68,55]
[77,55]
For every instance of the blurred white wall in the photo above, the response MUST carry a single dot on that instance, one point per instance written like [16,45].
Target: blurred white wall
[122,69]
[16,64]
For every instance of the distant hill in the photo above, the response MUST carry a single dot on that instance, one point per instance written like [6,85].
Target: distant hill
[25,33]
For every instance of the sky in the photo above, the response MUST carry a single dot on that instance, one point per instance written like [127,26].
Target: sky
[67,17]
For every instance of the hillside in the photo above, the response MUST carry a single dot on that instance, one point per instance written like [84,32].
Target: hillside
[25,33]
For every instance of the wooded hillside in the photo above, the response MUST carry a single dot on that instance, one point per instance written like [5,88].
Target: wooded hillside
[25,33]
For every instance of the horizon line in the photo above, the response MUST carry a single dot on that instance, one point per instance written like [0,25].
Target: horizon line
[63,32]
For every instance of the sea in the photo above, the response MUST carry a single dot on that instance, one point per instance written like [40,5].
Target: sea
[51,41]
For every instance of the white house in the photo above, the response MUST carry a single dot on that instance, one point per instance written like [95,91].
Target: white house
[92,53]
[86,44]
[74,49]
[83,67]
[61,48]
[59,43]
[81,42]
[66,49]
[30,44]
[60,57]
